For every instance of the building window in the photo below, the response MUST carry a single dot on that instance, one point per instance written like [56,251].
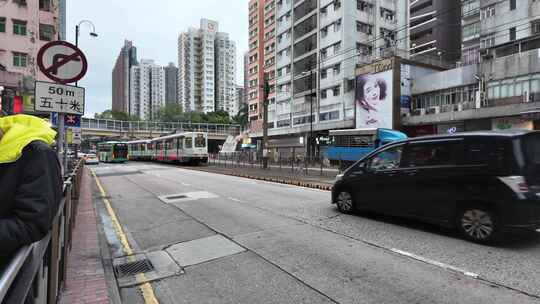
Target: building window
[487,42]
[363,48]
[363,6]
[324,74]
[337,69]
[512,5]
[46,32]
[471,30]
[19,27]
[364,28]
[45,5]
[324,94]
[335,91]
[387,14]
[488,12]
[2,25]
[512,34]
[535,27]
[19,59]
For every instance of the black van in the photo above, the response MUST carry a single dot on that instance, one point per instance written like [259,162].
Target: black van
[480,183]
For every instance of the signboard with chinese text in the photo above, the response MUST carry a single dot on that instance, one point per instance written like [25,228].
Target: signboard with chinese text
[52,97]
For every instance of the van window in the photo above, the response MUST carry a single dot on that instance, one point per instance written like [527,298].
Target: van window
[386,160]
[531,146]
[433,154]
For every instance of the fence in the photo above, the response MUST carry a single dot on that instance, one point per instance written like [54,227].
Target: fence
[37,272]
[285,163]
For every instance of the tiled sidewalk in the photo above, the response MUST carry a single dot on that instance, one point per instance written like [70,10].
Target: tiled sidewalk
[85,283]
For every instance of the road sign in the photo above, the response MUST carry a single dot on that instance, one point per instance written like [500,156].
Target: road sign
[70,120]
[52,97]
[76,136]
[62,62]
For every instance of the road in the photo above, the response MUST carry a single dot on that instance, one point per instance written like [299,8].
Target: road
[259,242]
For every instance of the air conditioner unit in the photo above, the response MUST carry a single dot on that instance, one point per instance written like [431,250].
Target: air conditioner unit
[437,110]
[422,111]
[460,107]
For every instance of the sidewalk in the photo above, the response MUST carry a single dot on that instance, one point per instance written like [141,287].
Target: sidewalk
[85,282]
[284,175]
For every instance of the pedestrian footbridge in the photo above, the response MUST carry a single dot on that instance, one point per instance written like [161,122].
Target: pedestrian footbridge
[92,128]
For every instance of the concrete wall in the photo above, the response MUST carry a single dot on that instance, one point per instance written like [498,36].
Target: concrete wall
[443,80]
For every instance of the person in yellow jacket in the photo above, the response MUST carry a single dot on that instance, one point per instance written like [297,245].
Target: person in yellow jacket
[30,182]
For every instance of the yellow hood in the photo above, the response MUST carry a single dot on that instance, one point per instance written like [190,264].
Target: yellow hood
[19,131]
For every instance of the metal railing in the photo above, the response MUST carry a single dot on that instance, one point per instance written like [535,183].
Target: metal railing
[36,273]
[158,127]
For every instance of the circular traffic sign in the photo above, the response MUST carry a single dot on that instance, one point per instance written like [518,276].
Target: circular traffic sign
[62,62]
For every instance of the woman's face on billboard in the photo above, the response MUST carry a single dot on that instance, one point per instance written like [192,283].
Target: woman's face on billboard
[372,91]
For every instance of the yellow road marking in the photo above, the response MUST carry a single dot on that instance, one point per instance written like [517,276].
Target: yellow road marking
[146,288]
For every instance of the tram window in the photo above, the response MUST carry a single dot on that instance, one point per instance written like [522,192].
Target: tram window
[180,142]
[189,143]
[199,141]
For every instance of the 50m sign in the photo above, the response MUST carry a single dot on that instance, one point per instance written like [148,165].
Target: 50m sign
[52,97]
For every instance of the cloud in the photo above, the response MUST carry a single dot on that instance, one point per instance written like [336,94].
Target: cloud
[153,27]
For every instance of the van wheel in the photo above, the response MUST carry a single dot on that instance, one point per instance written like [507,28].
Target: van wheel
[478,224]
[345,202]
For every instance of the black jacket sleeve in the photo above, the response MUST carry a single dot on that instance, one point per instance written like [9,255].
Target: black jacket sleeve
[37,197]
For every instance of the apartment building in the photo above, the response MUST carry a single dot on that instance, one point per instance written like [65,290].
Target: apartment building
[499,85]
[147,89]
[318,46]
[25,26]
[261,58]
[171,84]
[435,31]
[206,61]
[121,80]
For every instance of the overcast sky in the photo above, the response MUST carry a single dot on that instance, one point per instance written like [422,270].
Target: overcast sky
[153,26]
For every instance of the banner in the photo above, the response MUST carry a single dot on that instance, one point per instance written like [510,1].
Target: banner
[374,100]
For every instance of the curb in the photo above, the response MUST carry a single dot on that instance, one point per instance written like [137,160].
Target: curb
[312,185]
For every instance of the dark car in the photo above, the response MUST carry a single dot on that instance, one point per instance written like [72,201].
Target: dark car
[481,183]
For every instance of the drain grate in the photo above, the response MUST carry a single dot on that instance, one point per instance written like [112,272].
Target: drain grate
[175,197]
[133,268]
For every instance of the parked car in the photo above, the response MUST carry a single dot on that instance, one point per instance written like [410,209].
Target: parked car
[481,183]
[91,159]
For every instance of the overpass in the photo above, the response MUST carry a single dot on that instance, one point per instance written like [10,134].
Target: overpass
[130,130]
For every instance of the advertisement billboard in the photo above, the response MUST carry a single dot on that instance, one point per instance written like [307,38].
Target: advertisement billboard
[374,100]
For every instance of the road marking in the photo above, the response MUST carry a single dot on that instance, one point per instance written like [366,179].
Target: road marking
[186,184]
[235,200]
[435,263]
[146,288]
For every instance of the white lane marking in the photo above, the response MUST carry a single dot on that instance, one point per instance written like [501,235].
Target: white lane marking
[186,184]
[435,263]
[235,199]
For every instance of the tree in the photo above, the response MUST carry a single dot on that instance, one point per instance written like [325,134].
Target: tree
[241,117]
[115,115]
[171,113]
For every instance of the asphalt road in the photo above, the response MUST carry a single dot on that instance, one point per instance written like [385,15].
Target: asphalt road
[298,249]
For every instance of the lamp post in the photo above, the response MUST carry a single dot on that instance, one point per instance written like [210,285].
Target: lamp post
[77,32]
[310,141]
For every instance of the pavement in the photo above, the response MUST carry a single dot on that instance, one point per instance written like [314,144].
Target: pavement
[85,282]
[214,238]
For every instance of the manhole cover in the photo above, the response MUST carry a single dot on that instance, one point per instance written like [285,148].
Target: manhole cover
[133,268]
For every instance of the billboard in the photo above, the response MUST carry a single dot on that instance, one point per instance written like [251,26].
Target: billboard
[374,100]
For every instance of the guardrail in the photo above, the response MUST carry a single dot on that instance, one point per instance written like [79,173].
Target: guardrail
[158,127]
[37,272]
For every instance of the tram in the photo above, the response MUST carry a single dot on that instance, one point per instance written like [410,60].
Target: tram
[112,152]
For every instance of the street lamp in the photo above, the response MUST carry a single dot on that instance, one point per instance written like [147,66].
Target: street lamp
[77,31]
[310,141]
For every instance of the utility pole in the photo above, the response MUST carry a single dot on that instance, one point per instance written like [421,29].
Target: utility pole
[310,142]
[266,92]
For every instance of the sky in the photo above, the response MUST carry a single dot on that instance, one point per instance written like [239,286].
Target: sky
[153,26]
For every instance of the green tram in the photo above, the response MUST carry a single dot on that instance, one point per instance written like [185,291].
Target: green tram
[113,152]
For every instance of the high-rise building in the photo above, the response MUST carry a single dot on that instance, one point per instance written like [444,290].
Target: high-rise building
[261,57]
[311,62]
[435,31]
[498,84]
[246,74]
[121,80]
[171,84]
[25,26]
[147,89]
[206,61]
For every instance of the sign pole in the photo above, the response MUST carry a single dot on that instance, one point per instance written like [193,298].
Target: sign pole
[60,145]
